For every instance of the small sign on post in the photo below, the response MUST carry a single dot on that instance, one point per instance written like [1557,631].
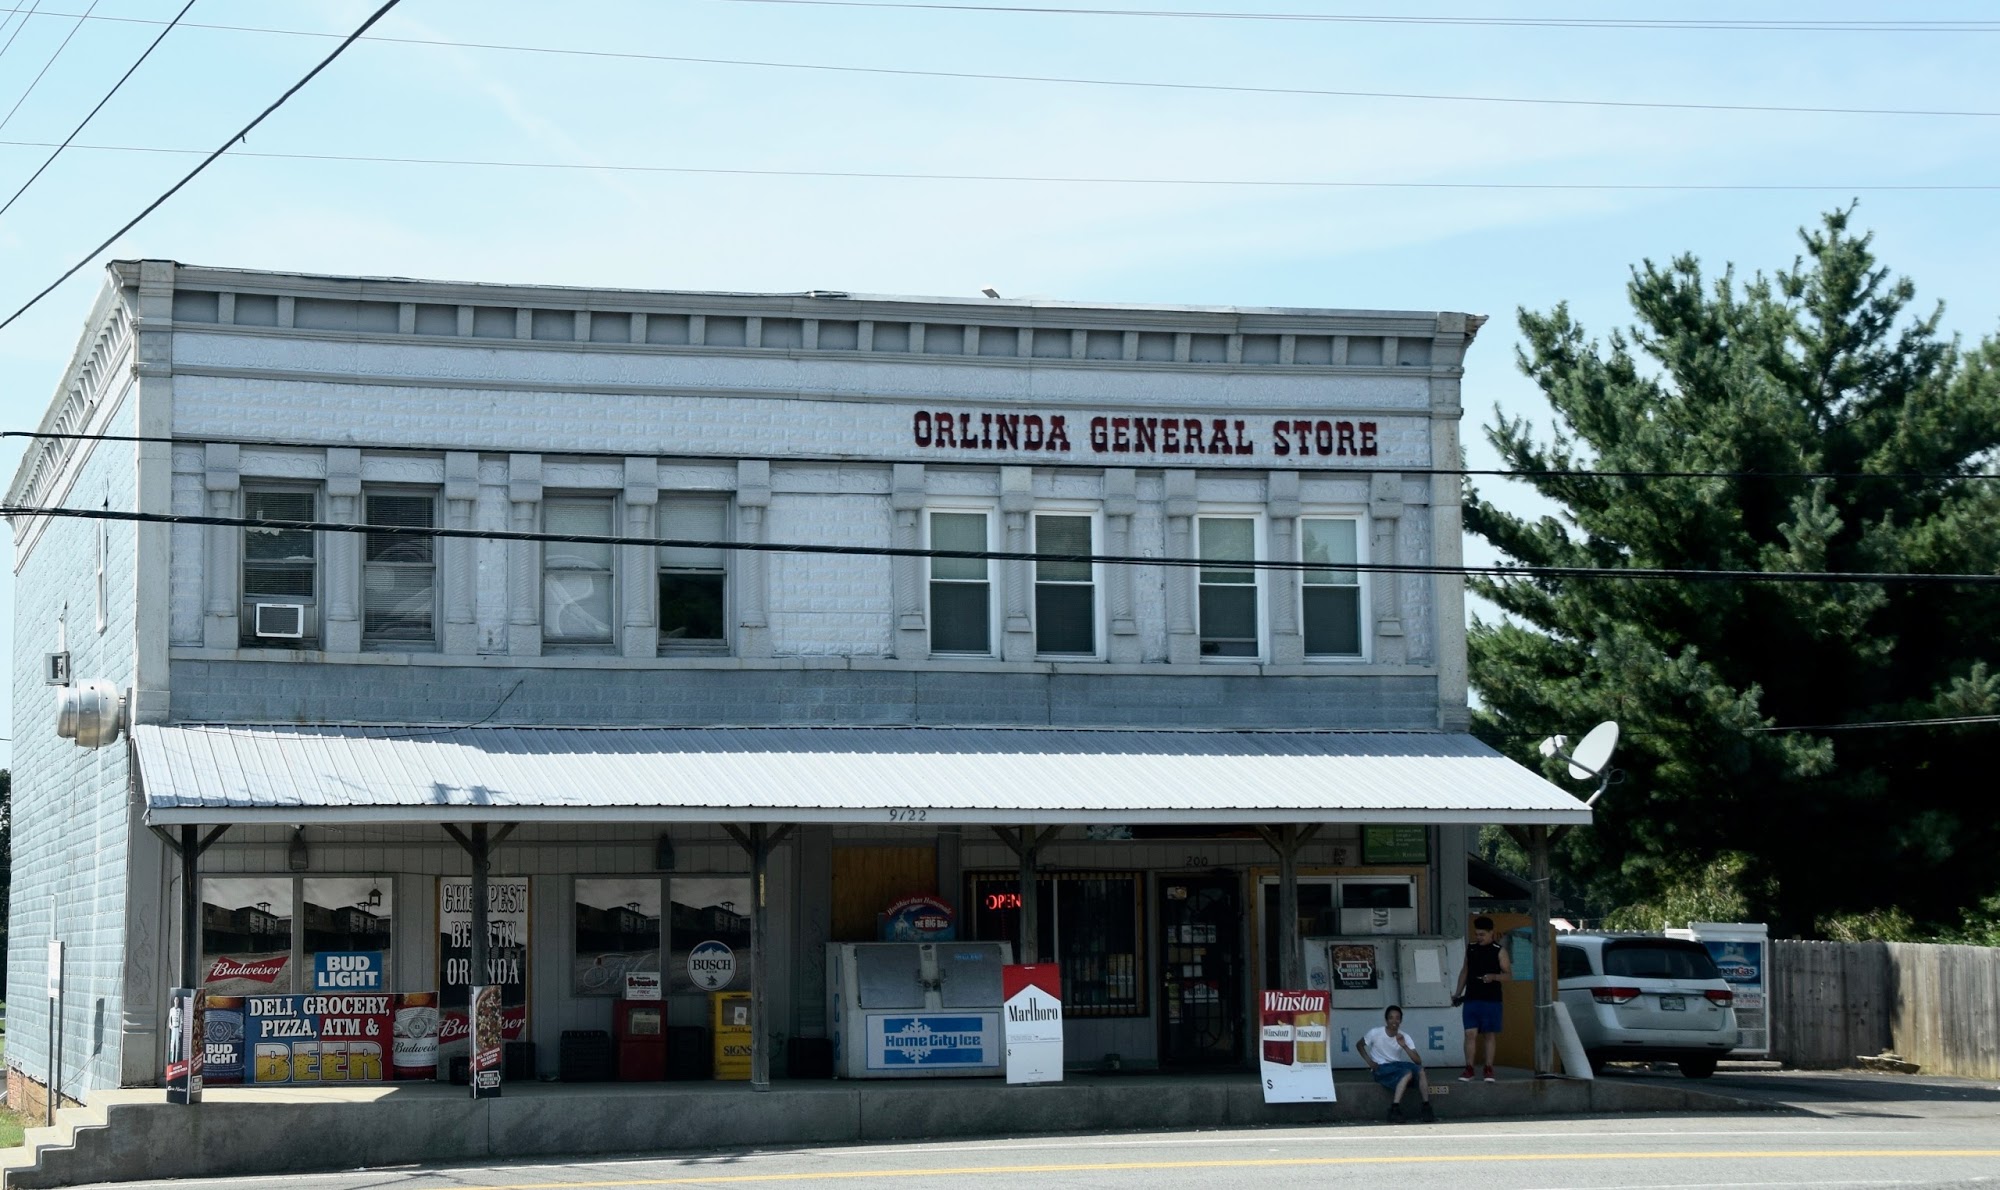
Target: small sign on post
[1031,1012]
[185,1047]
[488,1050]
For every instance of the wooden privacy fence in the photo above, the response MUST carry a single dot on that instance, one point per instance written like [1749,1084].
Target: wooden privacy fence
[1938,1006]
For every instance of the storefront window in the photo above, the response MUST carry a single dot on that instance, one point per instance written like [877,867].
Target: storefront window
[1091,921]
[617,931]
[348,914]
[246,935]
[709,910]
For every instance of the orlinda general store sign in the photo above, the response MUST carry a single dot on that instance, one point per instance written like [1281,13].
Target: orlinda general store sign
[1150,435]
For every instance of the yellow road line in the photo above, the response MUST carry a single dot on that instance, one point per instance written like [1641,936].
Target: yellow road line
[1242,1163]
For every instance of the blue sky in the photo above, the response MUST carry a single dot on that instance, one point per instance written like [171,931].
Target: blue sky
[1484,250]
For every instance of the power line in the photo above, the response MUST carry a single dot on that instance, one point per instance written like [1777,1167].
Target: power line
[294,89]
[1143,84]
[274,444]
[1819,26]
[4,208]
[28,16]
[1628,574]
[8,118]
[1061,179]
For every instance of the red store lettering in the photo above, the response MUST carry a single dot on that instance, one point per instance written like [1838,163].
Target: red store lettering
[1306,437]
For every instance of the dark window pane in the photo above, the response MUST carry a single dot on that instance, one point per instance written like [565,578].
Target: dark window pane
[691,606]
[291,581]
[959,618]
[1065,619]
[402,512]
[1333,621]
[1228,621]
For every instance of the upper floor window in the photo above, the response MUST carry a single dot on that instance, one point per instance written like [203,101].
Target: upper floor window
[693,580]
[399,570]
[280,568]
[1227,617]
[1065,591]
[961,589]
[576,576]
[1332,600]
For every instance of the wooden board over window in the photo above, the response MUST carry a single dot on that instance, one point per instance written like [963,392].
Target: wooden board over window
[869,879]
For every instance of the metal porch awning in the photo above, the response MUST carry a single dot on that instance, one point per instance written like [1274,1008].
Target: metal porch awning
[248,773]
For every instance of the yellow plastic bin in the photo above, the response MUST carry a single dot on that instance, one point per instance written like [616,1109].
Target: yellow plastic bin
[729,1025]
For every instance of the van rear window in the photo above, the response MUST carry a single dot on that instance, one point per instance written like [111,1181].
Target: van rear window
[1651,958]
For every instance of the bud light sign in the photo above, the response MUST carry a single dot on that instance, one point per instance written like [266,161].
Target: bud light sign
[347,971]
[711,965]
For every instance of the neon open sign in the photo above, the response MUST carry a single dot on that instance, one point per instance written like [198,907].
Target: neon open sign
[1003,900]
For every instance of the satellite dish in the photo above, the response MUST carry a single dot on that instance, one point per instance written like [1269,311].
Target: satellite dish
[1593,752]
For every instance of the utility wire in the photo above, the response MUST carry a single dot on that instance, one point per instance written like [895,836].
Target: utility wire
[28,16]
[1819,26]
[1143,84]
[270,444]
[1060,179]
[874,551]
[9,117]
[4,208]
[325,62]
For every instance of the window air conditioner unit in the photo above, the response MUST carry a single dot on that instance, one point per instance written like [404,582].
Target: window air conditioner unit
[282,621]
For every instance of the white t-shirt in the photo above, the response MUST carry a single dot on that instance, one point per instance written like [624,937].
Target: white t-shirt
[1381,1047]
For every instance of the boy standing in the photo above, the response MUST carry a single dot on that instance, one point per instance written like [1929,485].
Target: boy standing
[1480,982]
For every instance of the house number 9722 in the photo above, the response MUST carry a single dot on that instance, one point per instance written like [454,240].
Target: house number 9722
[908,815]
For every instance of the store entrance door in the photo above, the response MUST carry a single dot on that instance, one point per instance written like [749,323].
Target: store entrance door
[1201,970]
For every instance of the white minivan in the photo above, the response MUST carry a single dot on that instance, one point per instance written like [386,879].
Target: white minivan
[1641,997]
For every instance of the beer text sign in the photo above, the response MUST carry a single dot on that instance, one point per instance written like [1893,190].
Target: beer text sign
[1292,1028]
[1032,1014]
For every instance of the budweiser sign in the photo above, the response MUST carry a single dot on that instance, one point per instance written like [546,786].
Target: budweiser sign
[262,970]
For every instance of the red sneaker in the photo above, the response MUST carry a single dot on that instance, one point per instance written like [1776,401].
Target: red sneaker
[1467,1076]
[1489,1075]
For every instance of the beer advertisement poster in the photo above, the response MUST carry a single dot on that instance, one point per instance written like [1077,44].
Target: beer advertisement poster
[315,1039]
[1031,1013]
[185,1051]
[246,935]
[487,1044]
[506,958]
[1293,1062]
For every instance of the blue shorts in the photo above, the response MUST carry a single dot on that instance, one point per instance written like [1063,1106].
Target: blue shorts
[1391,1073]
[1482,1015]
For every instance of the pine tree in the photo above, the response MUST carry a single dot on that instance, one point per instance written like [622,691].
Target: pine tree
[1823,368]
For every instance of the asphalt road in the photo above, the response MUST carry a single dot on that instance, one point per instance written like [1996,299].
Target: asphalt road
[1826,1130]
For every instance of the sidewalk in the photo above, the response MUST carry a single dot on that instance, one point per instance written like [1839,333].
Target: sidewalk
[133,1134]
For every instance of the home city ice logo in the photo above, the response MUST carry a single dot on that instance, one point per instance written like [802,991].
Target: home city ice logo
[936,1041]
[711,965]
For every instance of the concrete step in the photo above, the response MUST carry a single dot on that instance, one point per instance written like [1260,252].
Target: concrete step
[44,1151]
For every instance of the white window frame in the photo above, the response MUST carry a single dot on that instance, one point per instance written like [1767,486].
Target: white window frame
[616,511]
[1099,622]
[103,561]
[1259,548]
[1363,622]
[705,646]
[994,590]
[437,608]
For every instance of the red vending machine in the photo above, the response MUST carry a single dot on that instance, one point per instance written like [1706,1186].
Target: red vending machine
[639,1027]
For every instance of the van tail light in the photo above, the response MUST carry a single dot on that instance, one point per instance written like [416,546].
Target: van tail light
[1614,995]
[1722,996]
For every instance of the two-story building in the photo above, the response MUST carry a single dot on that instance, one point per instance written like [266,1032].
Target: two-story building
[711,618]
